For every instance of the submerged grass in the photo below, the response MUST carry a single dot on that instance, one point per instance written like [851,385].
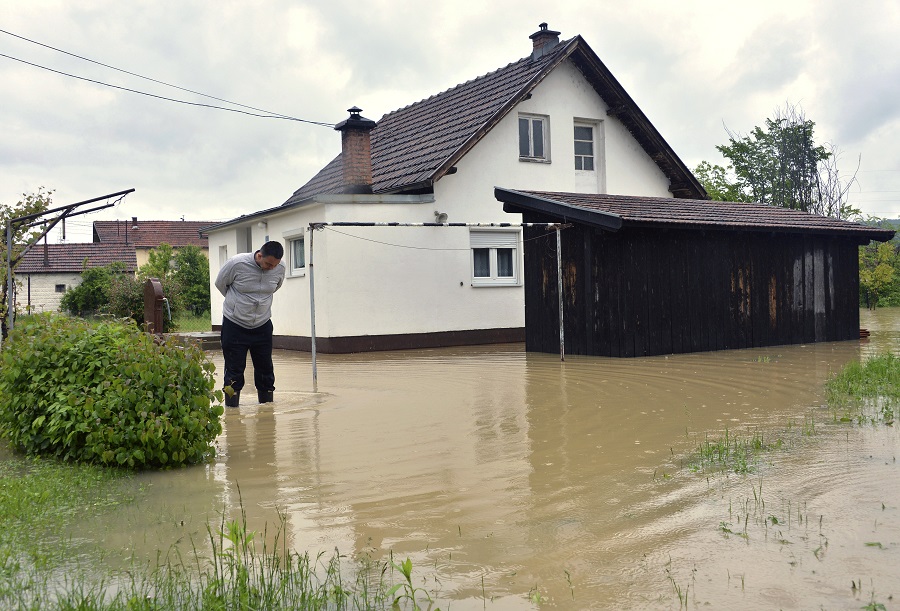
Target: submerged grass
[733,453]
[863,393]
[867,391]
[39,498]
[234,568]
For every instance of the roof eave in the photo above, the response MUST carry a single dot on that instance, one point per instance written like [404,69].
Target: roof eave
[859,235]
[683,183]
[203,231]
[514,201]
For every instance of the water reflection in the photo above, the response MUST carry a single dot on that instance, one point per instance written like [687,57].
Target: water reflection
[502,472]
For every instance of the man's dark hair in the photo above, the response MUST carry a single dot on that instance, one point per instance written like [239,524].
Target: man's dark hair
[272,249]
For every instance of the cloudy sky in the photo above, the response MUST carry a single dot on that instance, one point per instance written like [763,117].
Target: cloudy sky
[694,67]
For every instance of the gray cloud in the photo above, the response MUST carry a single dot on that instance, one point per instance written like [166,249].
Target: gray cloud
[690,68]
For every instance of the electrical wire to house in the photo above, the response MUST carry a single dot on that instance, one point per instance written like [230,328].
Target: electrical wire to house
[350,235]
[266,114]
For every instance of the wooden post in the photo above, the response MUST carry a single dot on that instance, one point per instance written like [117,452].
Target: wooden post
[559,285]
[312,309]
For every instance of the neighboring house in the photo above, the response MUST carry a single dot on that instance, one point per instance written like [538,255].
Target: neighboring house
[554,120]
[144,236]
[47,271]
[644,276]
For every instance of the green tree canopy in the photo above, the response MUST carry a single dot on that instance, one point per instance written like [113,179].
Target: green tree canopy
[781,165]
[160,263]
[192,275]
[93,294]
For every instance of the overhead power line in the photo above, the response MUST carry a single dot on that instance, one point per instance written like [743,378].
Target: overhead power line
[260,112]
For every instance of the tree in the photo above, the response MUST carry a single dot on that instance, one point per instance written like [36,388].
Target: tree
[714,179]
[93,293]
[877,270]
[22,236]
[780,165]
[192,276]
[159,263]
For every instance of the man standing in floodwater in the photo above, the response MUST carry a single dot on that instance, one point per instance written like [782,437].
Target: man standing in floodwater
[248,282]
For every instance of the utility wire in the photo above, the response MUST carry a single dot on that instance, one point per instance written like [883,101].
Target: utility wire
[268,114]
[350,235]
[87,59]
[162,97]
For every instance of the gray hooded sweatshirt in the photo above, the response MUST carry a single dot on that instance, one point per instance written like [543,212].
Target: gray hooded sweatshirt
[248,290]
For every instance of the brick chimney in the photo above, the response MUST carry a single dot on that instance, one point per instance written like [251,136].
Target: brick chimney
[544,41]
[356,152]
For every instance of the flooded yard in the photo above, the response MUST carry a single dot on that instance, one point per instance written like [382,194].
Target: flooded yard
[515,481]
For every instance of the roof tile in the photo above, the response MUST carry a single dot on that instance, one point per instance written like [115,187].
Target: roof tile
[150,234]
[658,211]
[70,258]
[410,144]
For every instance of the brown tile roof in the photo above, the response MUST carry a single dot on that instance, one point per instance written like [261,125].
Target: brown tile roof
[150,234]
[414,146]
[69,258]
[614,211]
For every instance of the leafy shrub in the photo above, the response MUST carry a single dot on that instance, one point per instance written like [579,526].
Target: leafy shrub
[106,393]
[192,275]
[111,290]
[93,292]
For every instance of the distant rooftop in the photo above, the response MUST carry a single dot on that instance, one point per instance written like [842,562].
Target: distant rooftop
[70,258]
[150,234]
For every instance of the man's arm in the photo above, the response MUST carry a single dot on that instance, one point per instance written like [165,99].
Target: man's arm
[283,269]
[224,279]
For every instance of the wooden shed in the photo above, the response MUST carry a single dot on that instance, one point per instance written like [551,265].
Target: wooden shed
[644,276]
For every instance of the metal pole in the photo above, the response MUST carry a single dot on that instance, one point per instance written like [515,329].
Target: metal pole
[559,285]
[312,309]
[10,306]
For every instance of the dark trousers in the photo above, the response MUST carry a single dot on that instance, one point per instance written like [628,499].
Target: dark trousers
[236,342]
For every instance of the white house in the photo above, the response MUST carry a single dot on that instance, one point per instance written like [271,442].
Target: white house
[556,120]
[47,271]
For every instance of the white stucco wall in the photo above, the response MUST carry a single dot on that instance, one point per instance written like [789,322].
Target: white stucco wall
[396,280]
[39,290]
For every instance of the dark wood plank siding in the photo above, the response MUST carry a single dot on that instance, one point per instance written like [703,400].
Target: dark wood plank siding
[642,292]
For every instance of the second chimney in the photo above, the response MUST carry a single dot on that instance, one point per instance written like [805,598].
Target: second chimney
[356,152]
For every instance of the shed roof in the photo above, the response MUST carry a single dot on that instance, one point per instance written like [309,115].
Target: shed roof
[150,234]
[416,145]
[69,258]
[612,212]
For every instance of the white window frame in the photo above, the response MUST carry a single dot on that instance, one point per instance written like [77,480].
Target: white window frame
[290,237]
[493,240]
[593,142]
[544,120]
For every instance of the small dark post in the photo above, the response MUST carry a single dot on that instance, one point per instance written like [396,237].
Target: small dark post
[153,306]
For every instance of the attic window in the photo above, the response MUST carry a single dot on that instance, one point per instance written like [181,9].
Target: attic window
[533,138]
[584,147]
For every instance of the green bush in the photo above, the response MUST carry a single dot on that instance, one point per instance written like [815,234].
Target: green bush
[106,393]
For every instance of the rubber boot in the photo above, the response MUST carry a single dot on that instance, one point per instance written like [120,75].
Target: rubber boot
[234,400]
[266,396]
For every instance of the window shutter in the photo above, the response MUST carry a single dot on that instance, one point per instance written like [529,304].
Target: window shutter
[494,239]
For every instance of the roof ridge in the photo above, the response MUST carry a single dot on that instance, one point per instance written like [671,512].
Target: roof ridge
[542,59]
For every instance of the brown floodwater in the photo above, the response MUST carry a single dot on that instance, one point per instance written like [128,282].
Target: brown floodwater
[515,481]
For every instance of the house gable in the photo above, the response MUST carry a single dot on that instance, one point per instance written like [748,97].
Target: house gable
[417,145]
